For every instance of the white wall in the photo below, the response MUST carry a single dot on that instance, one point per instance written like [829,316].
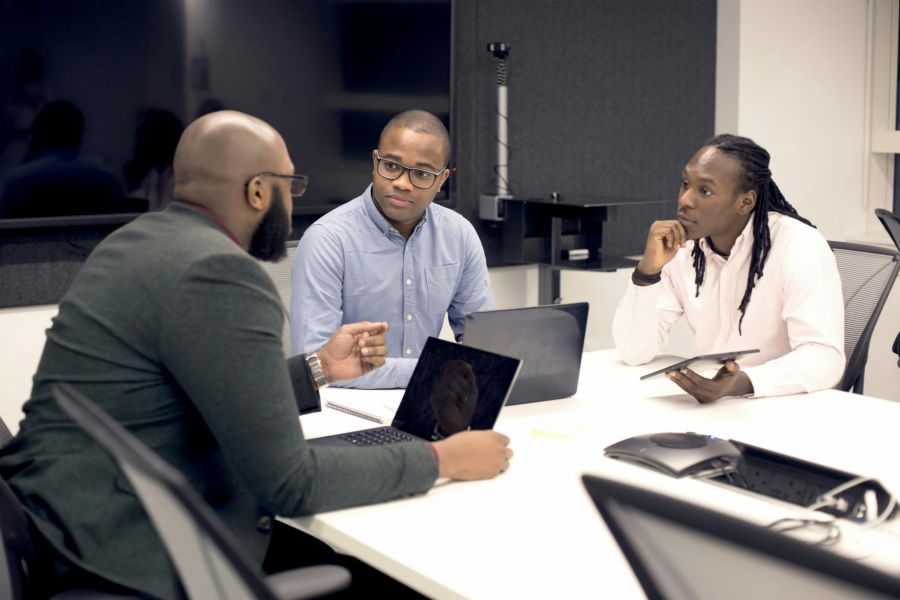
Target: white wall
[20,351]
[801,94]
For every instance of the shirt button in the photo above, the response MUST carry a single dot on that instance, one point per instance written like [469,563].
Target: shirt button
[408,351]
[409,282]
[409,317]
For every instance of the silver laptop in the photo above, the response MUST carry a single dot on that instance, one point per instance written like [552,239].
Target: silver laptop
[548,339]
[453,388]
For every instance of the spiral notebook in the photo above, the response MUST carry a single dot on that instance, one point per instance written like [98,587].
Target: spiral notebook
[375,405]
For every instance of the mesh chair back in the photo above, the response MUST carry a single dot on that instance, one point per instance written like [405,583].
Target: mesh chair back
[280,272]
[16,551]
[208,560]
[5,434]
[867,275]
[891,222]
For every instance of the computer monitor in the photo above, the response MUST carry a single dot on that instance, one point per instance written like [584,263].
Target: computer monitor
[681,550]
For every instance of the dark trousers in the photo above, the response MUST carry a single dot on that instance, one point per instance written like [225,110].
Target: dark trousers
[290,548]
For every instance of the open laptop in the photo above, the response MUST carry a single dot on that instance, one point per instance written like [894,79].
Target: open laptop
[548,339]
[682,550]
[453,388]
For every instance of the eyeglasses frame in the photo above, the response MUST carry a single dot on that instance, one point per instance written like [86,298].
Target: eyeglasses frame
[406,170]
[291,177]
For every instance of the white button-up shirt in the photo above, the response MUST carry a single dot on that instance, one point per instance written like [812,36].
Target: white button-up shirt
[795,315]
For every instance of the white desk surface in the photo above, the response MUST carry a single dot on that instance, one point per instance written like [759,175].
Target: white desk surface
[534,532]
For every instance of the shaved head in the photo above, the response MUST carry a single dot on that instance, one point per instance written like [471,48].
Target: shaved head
[220,151]
[220,163]
[423,122]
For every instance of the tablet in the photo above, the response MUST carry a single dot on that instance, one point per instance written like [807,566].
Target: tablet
[708,360]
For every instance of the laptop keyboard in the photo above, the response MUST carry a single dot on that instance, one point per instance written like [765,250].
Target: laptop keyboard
[377,437]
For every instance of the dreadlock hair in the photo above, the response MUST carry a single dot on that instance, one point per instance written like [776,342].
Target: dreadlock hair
[755,175]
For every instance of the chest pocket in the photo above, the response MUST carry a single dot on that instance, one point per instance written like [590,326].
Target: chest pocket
[441,282]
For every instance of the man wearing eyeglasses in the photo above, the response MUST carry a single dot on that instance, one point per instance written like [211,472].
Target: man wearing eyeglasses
[174,329]
[392,255]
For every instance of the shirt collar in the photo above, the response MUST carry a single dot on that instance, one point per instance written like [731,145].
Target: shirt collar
[212,217]
[378,219]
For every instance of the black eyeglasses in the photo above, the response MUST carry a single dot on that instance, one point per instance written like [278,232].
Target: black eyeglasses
[298,182]
[420,178]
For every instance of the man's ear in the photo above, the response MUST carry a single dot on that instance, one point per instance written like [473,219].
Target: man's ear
[443,177]
[374,161]
[747,202]
[255,194]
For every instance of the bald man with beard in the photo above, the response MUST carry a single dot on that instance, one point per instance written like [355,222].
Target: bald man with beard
[173,328]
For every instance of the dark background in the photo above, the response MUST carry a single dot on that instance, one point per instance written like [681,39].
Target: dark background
[606,98]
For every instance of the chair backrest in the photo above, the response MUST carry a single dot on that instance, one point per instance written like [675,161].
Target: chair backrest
[891,222]
[867,275]
[5,434]
[16,551]
[280,272]
[207,558]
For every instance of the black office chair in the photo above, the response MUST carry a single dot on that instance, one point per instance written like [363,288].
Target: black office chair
[207,558]
[867,275]
[5,434]
[17,553]
[891,223]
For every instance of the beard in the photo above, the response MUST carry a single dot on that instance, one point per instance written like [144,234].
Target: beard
[273,231]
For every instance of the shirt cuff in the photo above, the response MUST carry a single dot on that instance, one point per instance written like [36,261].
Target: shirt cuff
[645,295]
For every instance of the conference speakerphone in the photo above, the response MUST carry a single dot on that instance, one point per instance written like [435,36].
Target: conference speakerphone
[760,471]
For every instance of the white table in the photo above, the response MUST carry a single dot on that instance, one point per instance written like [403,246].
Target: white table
[533,532]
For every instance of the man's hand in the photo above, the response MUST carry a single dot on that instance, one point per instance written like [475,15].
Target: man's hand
[469,455]
[728,381]
[663,242]
[354,349]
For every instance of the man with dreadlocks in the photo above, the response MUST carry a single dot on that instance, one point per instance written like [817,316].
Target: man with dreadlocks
[746,271]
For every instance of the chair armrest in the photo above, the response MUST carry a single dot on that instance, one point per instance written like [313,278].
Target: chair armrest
[309,582]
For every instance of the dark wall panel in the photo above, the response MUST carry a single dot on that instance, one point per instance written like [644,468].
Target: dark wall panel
[605,97]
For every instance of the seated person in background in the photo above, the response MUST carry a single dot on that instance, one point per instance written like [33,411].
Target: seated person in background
[746,271]
[149,173]
[174,329]
[391,255]
[54,179]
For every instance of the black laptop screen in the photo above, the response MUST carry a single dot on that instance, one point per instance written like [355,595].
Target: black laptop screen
[549,339]
[454,388]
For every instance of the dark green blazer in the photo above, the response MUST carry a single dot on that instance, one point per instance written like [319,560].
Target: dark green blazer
[175,330]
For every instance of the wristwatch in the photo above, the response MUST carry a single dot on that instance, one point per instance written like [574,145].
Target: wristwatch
[315,371]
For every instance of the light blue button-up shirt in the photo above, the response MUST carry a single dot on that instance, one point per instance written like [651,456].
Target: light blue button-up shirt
[352,265]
